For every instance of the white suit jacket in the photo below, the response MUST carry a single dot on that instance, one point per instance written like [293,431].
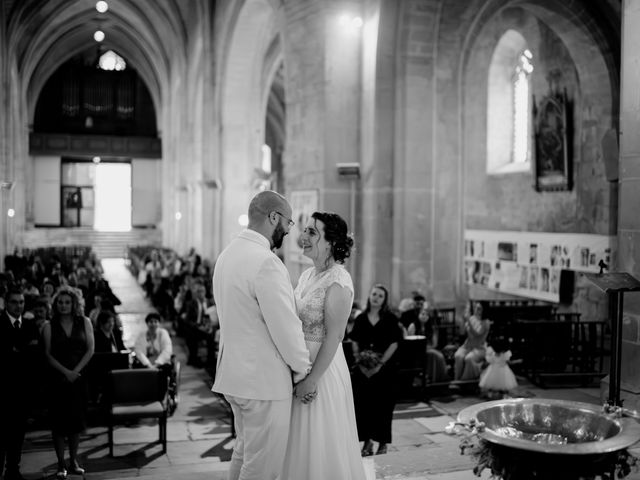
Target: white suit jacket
[261,339]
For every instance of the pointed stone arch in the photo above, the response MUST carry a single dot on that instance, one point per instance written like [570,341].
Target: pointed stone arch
[247,72]
[41,36]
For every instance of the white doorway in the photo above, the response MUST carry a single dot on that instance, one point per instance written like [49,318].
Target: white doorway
[113,197]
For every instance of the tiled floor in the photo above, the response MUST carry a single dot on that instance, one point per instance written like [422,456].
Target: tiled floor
[199,442]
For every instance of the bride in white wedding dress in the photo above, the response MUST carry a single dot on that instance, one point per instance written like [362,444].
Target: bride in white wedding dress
[323,440]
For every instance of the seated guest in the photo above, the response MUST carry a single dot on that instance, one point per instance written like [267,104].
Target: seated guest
[405,305]
[107,338]
[41,312]
[469,357]
[153,347]
[347,344]
[103,287]
[355,311]
[198,326]
[411,315]
[96,309]
[108,341]
[48,289]
[427,326]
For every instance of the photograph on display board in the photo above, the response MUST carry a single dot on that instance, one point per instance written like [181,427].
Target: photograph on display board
[556,253]
[524,276]
[472,271]
[508,251]
[565,259]
[584,257]
[533,253]
[533,278]
[554,280]
[486,273]
[495,281]
[544,279]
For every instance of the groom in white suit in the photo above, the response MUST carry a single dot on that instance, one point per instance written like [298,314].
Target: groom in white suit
[262,349]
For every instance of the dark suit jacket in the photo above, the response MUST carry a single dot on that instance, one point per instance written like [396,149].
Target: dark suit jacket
[191,313]
[103,343]
[20,361]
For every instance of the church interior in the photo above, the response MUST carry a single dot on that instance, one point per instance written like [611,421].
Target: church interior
[484,150]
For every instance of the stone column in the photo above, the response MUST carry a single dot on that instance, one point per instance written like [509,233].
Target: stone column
[416,171]
[629,182]
[322,47]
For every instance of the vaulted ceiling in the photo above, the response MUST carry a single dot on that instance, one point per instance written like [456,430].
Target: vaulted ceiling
[152,35]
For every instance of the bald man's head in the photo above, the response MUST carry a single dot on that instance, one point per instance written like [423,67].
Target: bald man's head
[270,215]
[264,203]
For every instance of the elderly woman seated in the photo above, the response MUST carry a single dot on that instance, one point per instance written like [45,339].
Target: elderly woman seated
[108,339]
[426,325]
[469,358]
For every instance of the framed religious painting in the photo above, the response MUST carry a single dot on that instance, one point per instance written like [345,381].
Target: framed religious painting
[552,117]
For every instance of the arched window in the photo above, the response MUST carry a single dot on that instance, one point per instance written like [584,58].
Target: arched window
[509,106]
[522,109]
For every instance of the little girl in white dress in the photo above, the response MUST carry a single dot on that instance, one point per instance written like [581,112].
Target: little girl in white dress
[498,378]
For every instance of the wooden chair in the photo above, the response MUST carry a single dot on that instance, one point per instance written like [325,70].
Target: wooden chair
[449,335]
[136,394]
[98,370]
[547,349]
[173,389]
[411,360]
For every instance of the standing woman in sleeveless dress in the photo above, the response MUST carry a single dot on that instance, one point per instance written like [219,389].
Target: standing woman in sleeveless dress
[323,439]
[69,345]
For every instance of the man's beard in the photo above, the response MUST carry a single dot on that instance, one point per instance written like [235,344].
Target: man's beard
[277,237]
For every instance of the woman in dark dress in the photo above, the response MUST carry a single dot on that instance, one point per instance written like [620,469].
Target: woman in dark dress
[375,338]
[427,326]
[69,344]
[108,339]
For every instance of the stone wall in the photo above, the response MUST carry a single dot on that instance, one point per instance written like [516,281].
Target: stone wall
[629,220]
[508,201]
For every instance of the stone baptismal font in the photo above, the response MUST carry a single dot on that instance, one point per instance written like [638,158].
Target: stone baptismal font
[532,438]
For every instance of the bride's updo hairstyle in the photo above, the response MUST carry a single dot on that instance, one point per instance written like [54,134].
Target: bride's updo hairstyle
[335,232]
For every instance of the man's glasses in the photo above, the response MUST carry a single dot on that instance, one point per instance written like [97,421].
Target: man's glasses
[289,221]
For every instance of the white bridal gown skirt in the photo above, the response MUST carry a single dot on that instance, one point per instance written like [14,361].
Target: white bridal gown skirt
[323,439]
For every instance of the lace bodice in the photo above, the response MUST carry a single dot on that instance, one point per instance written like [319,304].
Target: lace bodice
[310,295]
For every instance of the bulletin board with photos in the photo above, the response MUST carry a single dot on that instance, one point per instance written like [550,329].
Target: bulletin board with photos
[530,264]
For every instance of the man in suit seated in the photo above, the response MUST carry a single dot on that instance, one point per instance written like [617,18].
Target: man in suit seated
[198,326]
[18,364]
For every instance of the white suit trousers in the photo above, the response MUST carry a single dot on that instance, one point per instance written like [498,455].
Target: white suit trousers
[262,431]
